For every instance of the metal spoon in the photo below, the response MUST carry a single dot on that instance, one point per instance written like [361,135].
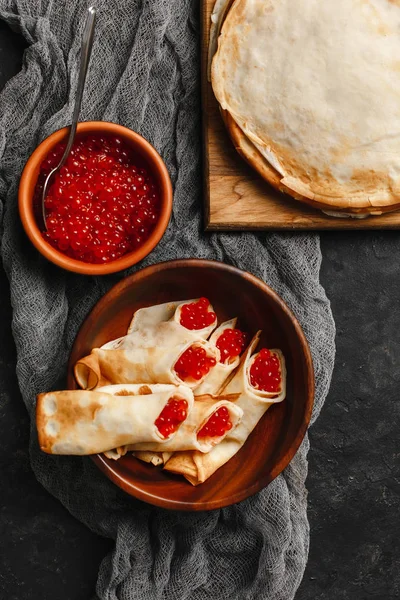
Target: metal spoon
[86,49]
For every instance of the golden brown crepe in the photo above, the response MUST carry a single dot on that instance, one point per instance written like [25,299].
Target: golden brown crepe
[187,438]
[133,389]
[129,364]
[83,422]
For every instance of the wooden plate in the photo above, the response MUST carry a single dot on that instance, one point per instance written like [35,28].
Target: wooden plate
[233,293]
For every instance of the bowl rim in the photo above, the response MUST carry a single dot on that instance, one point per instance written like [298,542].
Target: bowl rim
[55,256]
[202,505]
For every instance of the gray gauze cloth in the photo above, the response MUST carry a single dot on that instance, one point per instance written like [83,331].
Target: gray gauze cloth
[144,74]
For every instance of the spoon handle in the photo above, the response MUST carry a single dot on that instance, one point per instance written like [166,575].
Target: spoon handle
[86,49]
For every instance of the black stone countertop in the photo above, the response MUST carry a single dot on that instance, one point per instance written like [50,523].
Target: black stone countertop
[354,472]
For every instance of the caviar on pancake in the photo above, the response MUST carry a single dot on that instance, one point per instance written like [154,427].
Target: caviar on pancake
[265,372]
[217,425]
[197,315]
[194,363]
[231,343]
[172,416]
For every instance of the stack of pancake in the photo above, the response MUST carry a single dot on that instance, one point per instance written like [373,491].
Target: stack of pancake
[310,94]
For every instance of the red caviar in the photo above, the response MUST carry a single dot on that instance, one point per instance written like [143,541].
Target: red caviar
[230,344]
[194,363]
[101,204]
[172,415]
[265,372]
[196,315]
[217,425]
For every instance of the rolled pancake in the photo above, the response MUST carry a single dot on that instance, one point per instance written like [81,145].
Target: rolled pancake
[163,320]
[136,389]
[202,410]
[160,326]
[335,142]
[241,381]
[216,379]
[186,438]
[82,422]
[129,364]
[197,467]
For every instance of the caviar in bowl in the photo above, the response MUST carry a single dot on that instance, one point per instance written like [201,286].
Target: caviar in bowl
[106,208]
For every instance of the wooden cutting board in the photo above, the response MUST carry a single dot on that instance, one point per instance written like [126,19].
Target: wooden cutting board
[235,196]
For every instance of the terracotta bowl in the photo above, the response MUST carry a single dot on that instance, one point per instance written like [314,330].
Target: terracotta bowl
[29,177]
[279,433]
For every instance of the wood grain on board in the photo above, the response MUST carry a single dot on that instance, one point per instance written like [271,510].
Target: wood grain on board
[236,197]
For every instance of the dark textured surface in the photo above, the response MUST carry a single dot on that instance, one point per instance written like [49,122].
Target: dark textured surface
[354,473]
[45,553]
